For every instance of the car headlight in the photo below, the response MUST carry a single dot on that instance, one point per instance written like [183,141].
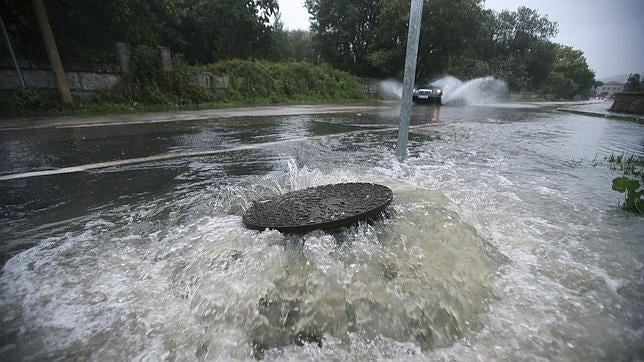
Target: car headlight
[439,91]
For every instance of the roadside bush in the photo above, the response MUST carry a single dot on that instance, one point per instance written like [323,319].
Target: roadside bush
[28,98]
[147,83]
[183,83]
[286,81]
[142,83]
[250,82]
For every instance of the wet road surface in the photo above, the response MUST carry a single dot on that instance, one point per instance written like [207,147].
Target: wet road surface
[505,240]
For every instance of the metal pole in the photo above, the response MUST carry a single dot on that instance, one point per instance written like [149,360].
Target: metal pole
[13,56]
[52,50]
[413,35]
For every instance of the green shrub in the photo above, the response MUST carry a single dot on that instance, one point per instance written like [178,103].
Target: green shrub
[284,81]
[183,83]
[29,98]
[142,83]
[250,82]
[633,195]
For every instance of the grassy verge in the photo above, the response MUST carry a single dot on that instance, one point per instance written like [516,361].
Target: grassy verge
[232,83]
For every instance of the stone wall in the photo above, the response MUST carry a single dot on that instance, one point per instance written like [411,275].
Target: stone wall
[629,102]
[85,79]
[82,78]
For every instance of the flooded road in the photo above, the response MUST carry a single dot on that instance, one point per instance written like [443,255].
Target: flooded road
[504,241]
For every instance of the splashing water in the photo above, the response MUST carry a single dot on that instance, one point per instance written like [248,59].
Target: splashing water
[238,293]
[390,88]
[498,247]
[484,90]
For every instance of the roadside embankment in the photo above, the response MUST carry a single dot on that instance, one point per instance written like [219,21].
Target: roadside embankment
[629,102]
[227,83]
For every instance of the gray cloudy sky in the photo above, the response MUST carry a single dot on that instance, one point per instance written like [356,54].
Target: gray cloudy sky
[610,32]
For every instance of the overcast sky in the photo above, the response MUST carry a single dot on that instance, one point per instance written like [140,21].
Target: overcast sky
[610,32]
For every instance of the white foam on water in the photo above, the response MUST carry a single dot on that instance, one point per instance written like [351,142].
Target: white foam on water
[479,91]
[390,88]
[238,293]
[481,258]
[484,90]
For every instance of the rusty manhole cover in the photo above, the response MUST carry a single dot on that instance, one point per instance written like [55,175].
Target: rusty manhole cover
[322,207]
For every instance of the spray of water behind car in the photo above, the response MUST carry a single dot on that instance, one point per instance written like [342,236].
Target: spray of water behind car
[449,90]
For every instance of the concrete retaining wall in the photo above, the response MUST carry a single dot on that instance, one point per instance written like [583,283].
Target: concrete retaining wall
[82,78]
[628,103]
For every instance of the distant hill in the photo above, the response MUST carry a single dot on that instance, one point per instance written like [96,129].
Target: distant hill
[621,78]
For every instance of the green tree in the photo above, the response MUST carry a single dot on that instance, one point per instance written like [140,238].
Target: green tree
[342,32]
[387,52]
[522,53]
[369,36]
[203,30]
[570,75]
[451,38]
[291,44]
[224,29]
[299,46]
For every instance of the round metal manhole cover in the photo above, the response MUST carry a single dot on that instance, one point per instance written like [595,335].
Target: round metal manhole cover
[322,207]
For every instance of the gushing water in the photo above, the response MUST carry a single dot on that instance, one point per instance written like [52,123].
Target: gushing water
[238,293]
[484,90]
[390,88]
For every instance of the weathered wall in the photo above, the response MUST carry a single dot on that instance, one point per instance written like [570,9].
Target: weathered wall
[82,78]
[628,103]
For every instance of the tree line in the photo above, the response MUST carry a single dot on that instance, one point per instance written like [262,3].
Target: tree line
[364,37]
[202,31]
[458,37]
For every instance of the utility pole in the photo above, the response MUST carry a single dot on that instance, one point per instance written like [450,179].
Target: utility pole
[52,50]
[413,35]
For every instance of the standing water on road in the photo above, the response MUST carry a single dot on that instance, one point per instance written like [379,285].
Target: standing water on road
[504,241]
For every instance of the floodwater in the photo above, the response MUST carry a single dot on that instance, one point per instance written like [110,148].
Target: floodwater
[504,241]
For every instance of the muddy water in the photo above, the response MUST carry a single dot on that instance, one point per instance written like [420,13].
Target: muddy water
[504,241]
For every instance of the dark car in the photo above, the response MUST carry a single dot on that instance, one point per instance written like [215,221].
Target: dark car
[431,94]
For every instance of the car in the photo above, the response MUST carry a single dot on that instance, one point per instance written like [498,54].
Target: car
[431,94]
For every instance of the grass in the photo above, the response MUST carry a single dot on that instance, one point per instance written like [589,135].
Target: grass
[630,165]
[148,89]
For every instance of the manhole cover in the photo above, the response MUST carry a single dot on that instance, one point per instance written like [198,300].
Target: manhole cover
[322,207]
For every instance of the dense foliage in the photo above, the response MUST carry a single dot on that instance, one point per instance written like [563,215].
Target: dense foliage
[251,80]
[247,82]
[203,30]
[364,37]
[458,37]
